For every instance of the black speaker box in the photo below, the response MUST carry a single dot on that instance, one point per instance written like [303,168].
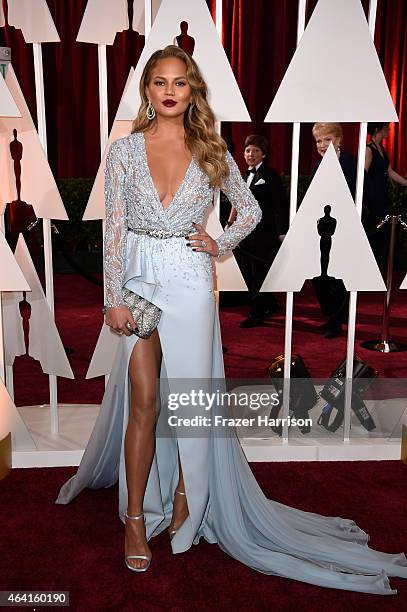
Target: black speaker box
[334,394]
[302,392]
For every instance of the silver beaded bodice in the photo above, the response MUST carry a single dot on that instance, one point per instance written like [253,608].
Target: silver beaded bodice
[132,202]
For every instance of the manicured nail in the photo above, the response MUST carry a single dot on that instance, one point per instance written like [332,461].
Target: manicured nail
[188,244]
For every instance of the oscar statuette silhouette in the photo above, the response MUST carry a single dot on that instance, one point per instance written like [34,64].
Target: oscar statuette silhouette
[21,216]
[326,227]
[183,40]
[330,291]
[25,312]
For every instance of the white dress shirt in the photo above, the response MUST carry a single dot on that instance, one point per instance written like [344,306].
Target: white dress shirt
[251,175]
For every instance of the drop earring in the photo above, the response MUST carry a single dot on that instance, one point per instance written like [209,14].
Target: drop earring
[150,112]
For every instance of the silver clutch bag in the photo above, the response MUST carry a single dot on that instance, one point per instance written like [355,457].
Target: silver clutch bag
[145,314]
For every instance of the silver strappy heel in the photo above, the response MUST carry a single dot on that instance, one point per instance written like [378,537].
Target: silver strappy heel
[174,531]
[136,569]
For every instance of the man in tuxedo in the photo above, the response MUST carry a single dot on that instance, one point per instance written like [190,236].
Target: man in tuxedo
[256,253]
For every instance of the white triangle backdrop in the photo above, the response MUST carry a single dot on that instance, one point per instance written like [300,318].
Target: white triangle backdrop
[38,186]
[33,18]
[45,344]
[95,208]
[335,74]
[351,258]
[224,94]
[101,21]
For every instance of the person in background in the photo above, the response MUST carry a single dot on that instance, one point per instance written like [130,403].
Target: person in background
[376,189]
[324,134]
[256,253]
[331,292]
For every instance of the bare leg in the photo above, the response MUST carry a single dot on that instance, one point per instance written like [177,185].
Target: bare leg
[180,507]
[139,442]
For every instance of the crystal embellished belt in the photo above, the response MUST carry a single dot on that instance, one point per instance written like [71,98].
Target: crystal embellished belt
[158,233]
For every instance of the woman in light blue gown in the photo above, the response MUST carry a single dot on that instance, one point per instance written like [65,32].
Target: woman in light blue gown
[159,185]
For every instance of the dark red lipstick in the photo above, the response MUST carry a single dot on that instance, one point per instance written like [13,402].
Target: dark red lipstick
[169,103]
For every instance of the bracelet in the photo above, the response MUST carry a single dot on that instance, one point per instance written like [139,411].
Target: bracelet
[106,307]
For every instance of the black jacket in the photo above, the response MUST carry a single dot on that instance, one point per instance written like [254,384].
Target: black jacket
[268,189]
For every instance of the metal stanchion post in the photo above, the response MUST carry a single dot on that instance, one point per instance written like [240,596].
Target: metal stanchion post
[385,344]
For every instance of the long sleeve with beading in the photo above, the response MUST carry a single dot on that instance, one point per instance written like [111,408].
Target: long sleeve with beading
[116,222]
[247,209]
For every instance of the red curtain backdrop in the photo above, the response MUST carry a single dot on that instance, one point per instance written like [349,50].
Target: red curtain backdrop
[259,39]
[391,45]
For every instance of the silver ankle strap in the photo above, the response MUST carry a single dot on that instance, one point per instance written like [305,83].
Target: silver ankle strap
[134,518]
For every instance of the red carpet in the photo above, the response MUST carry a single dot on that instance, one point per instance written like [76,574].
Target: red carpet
[250,351]
[79,547]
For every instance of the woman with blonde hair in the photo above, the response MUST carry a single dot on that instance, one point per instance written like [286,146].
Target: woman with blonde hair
[160,182]
[324,134]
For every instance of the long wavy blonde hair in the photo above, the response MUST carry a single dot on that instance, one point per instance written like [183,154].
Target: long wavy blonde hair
[201,139]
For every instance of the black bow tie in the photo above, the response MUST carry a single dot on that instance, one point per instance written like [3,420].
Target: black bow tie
[252,170]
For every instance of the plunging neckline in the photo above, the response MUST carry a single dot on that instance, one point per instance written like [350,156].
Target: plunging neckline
[156,195]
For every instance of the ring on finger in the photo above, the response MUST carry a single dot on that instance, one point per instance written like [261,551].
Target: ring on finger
[204,244]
